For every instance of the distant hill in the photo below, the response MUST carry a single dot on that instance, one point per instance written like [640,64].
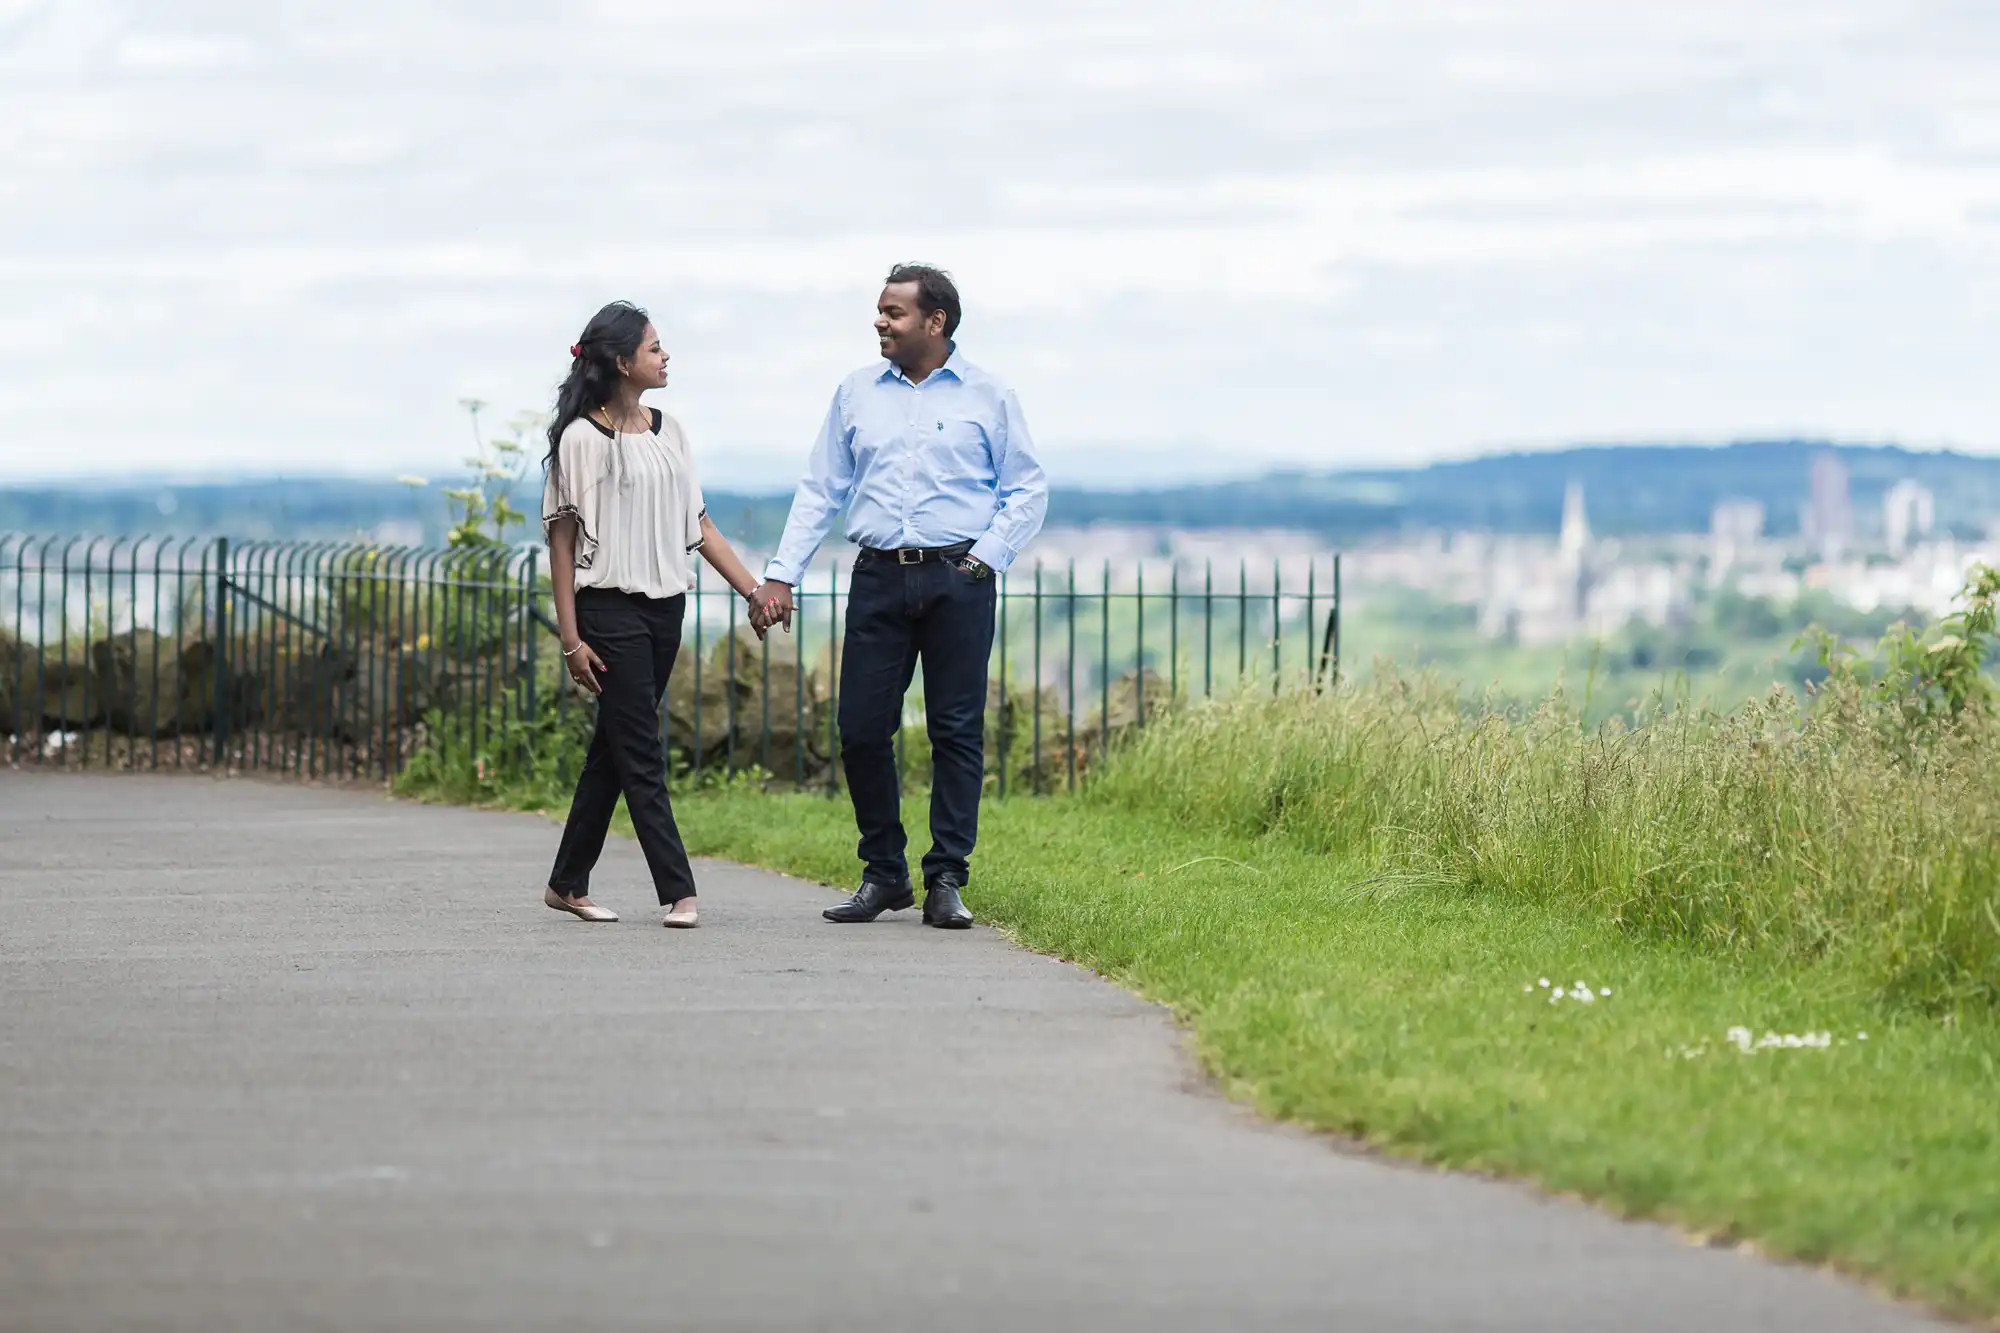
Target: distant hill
[1631,490]
[317,508]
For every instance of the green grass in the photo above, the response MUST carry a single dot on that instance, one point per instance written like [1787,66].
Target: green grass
[1350,900]
[1400,1018]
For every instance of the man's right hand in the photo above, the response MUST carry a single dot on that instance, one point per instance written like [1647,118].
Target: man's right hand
[772,602]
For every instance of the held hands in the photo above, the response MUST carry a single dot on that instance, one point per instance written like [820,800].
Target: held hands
[584,666]
[771,605]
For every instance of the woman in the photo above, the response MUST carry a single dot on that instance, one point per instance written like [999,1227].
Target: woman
[623,512]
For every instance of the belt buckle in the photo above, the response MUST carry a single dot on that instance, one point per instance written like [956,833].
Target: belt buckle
[910,555]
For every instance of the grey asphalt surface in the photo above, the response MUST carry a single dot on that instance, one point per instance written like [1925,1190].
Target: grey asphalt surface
[278,1059]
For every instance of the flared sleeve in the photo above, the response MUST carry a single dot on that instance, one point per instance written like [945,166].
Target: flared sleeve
[575,488]
[693,506]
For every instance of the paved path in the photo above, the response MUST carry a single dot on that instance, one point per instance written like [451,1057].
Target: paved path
[280,1059]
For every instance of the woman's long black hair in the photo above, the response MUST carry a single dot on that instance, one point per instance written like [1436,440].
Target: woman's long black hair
[593,369]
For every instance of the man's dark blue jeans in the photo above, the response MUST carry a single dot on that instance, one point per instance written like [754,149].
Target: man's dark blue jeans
[898,615]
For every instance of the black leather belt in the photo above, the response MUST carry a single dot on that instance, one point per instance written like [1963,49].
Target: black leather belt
[917,555]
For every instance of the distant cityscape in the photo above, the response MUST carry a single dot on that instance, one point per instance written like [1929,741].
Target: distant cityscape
[1535,591]
[1529,549]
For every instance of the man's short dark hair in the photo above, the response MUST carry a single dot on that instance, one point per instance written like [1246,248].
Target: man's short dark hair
[935,291]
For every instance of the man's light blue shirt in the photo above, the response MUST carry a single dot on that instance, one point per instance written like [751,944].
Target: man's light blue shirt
[932,464]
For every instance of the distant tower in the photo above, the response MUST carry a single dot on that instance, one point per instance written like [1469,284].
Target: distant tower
[1576,526]
[1573,553]
[1907,513]
[1829,517]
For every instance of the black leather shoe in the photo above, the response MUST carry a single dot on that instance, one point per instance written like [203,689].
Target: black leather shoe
[942,907]
[873,898]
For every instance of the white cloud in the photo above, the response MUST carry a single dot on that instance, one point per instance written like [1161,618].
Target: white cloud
[182,54]
[292,236]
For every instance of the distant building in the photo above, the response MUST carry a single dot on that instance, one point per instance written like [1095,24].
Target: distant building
[1736,520]
[1534,596]
[1829,517]
[1573,551]
[1735,525]
[1907,513]
[1575,541]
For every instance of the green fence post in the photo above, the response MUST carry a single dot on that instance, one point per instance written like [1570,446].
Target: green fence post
[833,648]
[530,641]
[1312,576]
[1277,625]
[1329,648]
[219,725]
[1039,783]
[1208,628]
[17,725]
[1242,623]
[1104,671]
[1069,725]
[1139,652]
[1336,617]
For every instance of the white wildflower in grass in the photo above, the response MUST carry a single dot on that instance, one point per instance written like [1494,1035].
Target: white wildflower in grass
[1605,992]
[1581,992]
[1861,1036]
[1747,1044]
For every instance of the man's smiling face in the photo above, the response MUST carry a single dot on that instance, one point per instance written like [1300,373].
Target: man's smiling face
[903,331]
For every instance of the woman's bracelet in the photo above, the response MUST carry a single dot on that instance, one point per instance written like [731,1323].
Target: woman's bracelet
[570,652]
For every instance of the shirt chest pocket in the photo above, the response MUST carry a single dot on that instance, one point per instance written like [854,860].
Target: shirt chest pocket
[958,449]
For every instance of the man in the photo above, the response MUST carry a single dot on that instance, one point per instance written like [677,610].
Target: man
[933,460]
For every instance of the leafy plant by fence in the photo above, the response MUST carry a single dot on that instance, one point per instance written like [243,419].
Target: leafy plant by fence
[351,661]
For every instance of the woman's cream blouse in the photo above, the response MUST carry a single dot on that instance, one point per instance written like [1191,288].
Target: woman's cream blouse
[637,504]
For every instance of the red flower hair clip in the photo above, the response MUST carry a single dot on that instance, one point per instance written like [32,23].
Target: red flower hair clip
[576,349]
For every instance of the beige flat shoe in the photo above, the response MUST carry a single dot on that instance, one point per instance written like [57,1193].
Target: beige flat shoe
[680,920]
[581,911]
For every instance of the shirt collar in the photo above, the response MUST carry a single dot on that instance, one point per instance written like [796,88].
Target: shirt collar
[954,366]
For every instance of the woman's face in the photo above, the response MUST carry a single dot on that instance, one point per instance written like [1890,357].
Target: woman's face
[647,367]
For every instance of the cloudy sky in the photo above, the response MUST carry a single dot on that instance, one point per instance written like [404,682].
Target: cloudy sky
[1200,238]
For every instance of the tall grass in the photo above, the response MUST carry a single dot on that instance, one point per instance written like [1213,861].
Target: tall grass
[1805,830]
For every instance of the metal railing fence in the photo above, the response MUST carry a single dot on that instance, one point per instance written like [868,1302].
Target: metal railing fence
[345,660]
[315,659]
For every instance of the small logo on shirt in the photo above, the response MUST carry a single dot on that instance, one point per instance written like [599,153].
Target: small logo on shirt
[940,425]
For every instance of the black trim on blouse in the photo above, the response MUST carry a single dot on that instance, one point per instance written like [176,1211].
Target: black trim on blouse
[605,430]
